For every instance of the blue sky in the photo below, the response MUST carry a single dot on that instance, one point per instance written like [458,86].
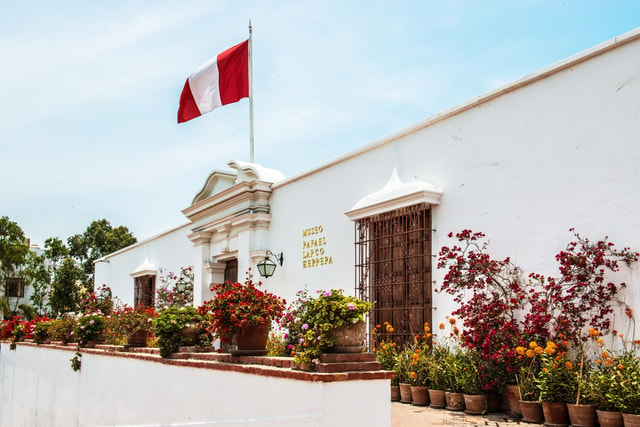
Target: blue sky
[89,90]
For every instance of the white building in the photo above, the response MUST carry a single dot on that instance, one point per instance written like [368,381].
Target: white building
[557,149]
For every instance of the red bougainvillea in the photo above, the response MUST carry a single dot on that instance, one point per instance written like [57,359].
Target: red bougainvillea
[501,310]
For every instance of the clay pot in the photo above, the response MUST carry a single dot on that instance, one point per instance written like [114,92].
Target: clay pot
[513,397]
[475,404]
[348,339]
[395,393]
[405,393]
[609,418]
[582,415]
[531,411]
[455,401]
[437,399]
[419,396]
[555,414]
[631,420]
[251,341]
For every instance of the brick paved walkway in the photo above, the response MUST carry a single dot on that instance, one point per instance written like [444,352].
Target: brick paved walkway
[406,415]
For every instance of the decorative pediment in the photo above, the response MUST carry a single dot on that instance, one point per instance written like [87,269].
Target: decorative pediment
[145,269]
[394,195]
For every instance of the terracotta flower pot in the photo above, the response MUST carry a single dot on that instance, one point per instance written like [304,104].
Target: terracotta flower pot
[631,420]
[419,396]
[555,413]
[609,418]
[405,393]
[395,393]
[348,339]
[455,401]
[582,415]
[513,397]
[137,338]
[475,404]
[531,411]
[437,399]
[251,341]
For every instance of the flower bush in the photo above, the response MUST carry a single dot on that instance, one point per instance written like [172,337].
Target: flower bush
[557,380]
[237,305]
[89,327]
[168,295]
[98,301]
[529,370]
[168,326]
[127,320]
[290,321]
[386,350]
[501,311]
[331,309]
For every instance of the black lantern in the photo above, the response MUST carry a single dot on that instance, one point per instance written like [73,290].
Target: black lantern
[181,285]
[267,266]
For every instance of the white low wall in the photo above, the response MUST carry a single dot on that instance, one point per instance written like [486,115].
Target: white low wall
[39,388]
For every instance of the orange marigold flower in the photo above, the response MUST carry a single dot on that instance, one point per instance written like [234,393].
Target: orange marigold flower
[538,350]
[599,361]
[441,325]
[568,365]
[413,375]
[531,353]
[533,344]
[620,366]
[520,350]
[605,355]
[452,320]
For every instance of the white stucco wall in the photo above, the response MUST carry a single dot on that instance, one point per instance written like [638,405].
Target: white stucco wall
[38,388]
[523,167]
[523,164]
[170,250]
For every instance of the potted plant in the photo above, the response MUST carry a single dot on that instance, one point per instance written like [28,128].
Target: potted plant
[475,401]
[90,329]
[386,354]
[557,382]
[419,374]
[625,386]
[438,376]
[169,324]
[403,373]
[331,322]
[132,325]
[244,312]
[528,392]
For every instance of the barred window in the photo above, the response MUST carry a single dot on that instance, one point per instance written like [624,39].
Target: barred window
[393,268]
[145,291]
[15,287]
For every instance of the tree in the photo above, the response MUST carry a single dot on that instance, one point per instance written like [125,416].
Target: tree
[13,246]
[39,277]
[65,290]
[98,240]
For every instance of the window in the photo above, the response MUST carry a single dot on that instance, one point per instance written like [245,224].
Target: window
[393,268]
[15,287]
[145,290]
[231,271]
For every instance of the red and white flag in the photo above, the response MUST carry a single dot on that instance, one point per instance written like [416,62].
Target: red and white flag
[220,81]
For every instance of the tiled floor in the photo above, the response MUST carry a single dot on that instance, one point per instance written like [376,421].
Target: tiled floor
[406,415]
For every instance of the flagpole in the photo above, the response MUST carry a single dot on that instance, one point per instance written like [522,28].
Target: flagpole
[250,94]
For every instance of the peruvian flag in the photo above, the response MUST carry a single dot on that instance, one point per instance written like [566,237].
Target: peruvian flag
[220,81]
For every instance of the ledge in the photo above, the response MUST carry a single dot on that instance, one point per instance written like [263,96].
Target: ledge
[278,367]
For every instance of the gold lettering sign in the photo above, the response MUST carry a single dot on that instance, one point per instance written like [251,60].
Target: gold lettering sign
[313,248]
